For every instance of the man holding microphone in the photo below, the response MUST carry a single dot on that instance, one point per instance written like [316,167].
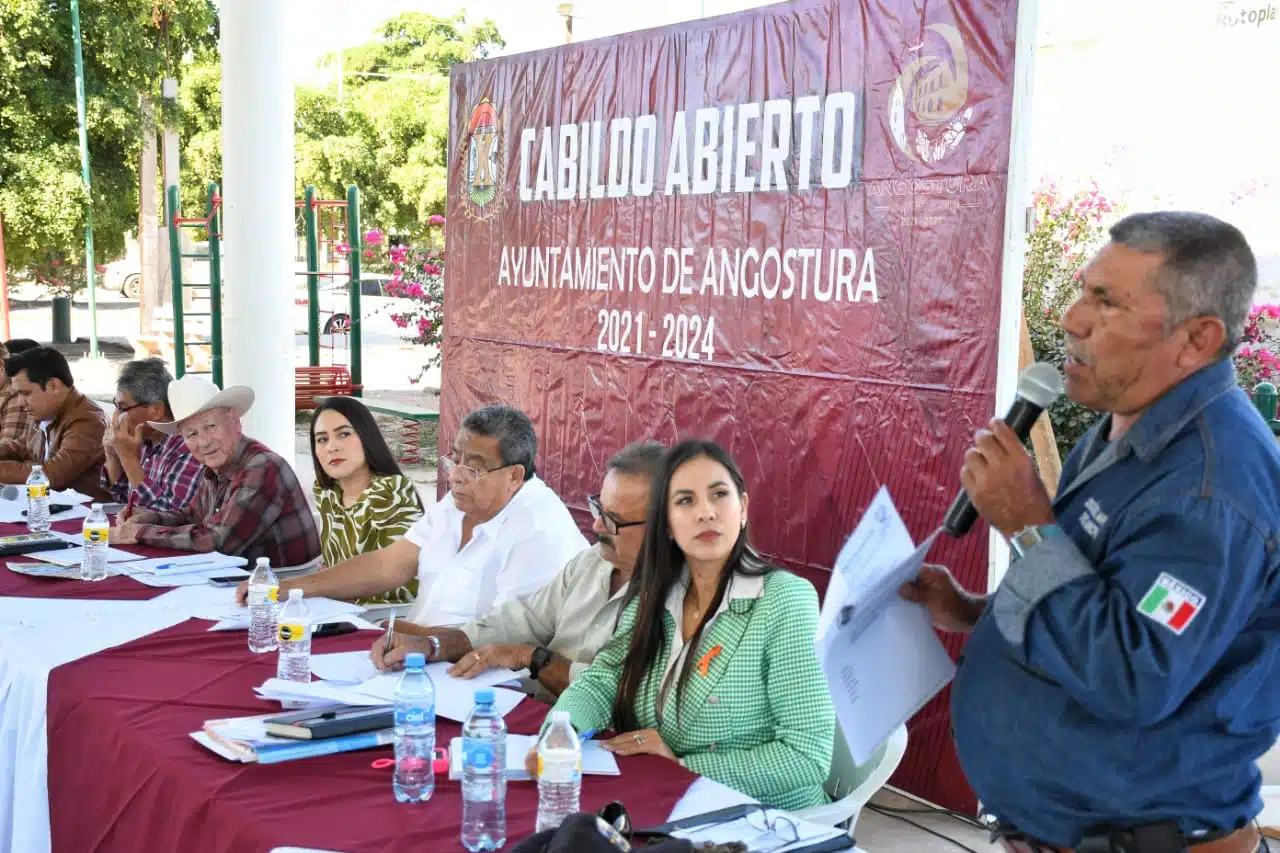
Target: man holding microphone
[1120,684]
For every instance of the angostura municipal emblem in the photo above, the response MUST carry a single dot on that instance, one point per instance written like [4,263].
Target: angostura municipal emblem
[482,154]
[927,112]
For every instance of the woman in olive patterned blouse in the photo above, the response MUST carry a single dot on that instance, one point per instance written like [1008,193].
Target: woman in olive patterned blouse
[365,503]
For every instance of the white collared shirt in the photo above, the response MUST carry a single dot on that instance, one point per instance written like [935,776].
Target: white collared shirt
[740,586]
[514,553]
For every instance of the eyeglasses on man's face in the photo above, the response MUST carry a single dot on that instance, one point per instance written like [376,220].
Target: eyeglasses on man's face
[611,525]
[465,473]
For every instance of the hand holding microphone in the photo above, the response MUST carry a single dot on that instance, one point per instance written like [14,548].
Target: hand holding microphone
[999,479]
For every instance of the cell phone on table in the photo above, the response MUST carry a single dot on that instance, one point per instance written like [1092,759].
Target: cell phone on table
[333,629]
[54,509]
[228,580]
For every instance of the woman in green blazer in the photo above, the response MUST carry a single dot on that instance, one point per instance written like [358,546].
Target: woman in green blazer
[748,706]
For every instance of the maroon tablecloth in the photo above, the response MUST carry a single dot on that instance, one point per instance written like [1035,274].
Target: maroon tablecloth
[125,776]
[118,588]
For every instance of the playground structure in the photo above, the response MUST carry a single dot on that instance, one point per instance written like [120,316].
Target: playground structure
[194,343]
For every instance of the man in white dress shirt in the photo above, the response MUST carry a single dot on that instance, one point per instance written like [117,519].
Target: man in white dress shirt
[499,533]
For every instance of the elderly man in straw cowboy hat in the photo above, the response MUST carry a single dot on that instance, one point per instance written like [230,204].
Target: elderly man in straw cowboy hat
[249,502]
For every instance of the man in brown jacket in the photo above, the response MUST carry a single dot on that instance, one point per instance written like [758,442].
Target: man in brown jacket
[16,428]
[68,438]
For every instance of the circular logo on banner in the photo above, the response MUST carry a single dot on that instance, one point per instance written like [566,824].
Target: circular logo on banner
[482,155]
[928,112]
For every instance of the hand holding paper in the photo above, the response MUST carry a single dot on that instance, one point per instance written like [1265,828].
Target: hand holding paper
[950,607]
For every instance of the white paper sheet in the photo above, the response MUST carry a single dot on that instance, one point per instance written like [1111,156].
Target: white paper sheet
[882,658]
[199,563]
[168,580]
[344,667]
[236,618]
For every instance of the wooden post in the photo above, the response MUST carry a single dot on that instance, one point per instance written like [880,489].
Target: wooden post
[1042,439]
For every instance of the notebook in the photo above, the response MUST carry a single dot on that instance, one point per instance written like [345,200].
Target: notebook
[330,722]
[596,761]
[29,543]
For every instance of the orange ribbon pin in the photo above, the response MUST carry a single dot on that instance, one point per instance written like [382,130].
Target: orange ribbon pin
[705,663]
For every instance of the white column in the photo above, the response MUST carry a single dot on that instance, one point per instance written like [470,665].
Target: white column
[257,192]
[1017,199]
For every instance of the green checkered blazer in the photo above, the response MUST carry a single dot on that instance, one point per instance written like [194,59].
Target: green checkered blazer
[760,721]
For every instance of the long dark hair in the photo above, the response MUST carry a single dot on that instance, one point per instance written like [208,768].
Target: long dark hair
[659,567]
[376,453]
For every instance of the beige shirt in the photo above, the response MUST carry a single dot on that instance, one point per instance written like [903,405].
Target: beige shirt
[574,615]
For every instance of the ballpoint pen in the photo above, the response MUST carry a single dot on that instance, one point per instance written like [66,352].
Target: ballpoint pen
[391,632]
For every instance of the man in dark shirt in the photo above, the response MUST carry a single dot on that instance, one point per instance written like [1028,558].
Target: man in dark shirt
[1124,678]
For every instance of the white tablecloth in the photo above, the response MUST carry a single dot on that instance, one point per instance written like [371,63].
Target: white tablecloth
[37,634]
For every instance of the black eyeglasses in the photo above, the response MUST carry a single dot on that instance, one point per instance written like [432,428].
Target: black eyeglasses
[611,524]
[121,408]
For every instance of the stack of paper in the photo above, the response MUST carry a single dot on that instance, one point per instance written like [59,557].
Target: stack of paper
[355,681]
[232,617]
[596,760]
[245,739]
[882,658]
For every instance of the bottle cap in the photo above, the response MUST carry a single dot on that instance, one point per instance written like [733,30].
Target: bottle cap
[560,717]
[415,659]
[263,561]
[95,506]
[484,695]
[295,595]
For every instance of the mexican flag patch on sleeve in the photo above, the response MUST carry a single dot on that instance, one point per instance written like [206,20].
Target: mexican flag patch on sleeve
[1171,603]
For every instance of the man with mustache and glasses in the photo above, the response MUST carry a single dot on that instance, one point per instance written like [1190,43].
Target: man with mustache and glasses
[556,631]
[1120,684]
[499,533]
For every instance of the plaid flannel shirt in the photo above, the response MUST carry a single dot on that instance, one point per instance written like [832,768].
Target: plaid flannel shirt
[16,427]
[171,476]
[253,508]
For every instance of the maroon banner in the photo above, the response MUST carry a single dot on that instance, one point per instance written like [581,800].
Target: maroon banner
[781,229]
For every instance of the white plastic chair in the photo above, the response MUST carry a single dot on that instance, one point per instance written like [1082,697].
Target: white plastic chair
[851,785]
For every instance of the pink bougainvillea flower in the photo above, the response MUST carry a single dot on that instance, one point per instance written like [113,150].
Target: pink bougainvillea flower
[435,219]
[368,253]
[373,237]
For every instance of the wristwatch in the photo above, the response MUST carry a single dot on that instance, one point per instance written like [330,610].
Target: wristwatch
[1028,537]
[433,653]
[541,657]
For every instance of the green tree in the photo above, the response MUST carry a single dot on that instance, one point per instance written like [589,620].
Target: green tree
[388,135]
[128,44]
[1067,231]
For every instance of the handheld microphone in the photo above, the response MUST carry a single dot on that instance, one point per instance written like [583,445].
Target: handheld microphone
[10,493]
[1038,386]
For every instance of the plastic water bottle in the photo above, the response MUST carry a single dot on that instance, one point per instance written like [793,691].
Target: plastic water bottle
[559,772]
[97,533]
[37,500]
[294,663]
[415,715]
[484,776]
[264,590]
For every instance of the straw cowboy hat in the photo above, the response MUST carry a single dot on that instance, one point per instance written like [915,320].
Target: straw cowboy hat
[191,395]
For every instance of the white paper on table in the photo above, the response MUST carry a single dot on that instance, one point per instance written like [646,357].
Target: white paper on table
[344,667]
[236,618]
[14,512]
[881,656]
[455,697]
[202,562]
[315,692]
[69,496]
[168,580]
[74,556]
